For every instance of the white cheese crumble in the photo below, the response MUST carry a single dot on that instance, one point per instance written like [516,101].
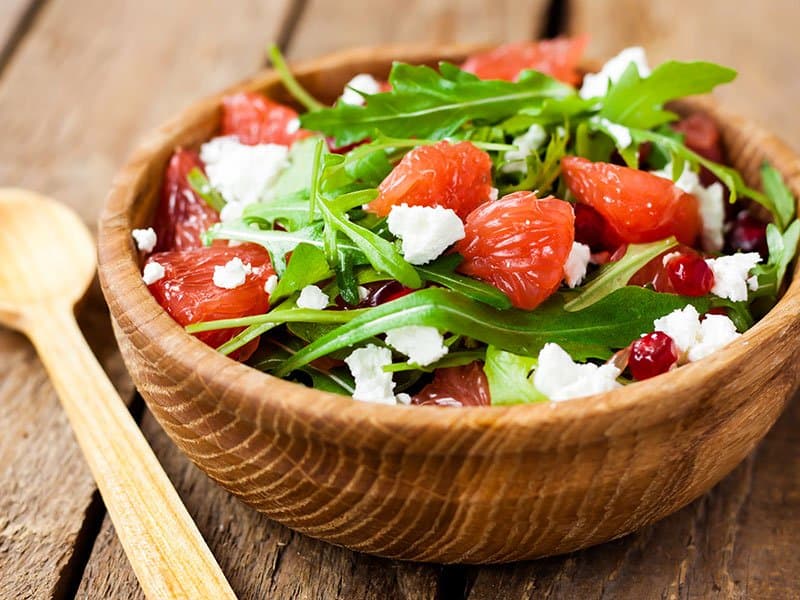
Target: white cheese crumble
[526,143]
[716,331]
[232,274]
[312,297]
[620,134]
[422,345]
[426,231]
[682,325]
[362,82]
[558,377]
[373,384]
[694,338]
[242,173]
[153,271]
[363,293]
[231,211]
[731,274]
[145,239]
[271,284]
[710,203]
[596,84]
[494,194]
[577,262]
[293,126]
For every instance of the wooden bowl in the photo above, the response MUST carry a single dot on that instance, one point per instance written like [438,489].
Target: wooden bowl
[470,485]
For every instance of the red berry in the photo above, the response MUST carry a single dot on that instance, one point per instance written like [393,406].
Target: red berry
[456,176]
[748,234]
[652,355]
[456,386]
[690,275]
[385,291]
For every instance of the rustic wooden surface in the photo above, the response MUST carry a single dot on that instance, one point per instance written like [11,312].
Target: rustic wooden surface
[86,77]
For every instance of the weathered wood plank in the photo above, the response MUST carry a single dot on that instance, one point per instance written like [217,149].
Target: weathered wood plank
[738,541]
[330,26]
[12,13]
[758,39]
[86,80]
[260,558]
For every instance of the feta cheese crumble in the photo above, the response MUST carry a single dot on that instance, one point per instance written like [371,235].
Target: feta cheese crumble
[731,274]
[271,284]
[363,293]
[293,126]
[145,239]
[526,143]
[577,262]
[619,133]
[232,274]
[558,377]
[426,231]
[710,203]
[312,297]
[422,345]
[596,84]
[153,271]
[716,331]
[362,82]
[694,338]
[373,384]
[243,174]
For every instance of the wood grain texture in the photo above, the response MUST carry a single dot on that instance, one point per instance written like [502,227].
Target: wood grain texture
[86,80]
[759,39]
[427,484]
[736,542]
[261,558]
[330,26]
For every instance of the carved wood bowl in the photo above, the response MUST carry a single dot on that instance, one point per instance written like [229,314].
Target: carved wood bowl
[470,485]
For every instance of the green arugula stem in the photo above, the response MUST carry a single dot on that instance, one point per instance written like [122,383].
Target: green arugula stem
[289,81]
[294,315]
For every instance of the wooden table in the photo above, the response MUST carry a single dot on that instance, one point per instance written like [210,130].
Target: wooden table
[81,80]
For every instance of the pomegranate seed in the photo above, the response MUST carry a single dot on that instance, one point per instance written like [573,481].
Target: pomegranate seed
[652,355]
[385,291]
[748,234]
[690,275]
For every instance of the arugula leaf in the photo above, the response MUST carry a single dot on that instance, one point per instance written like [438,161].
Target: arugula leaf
[510,378]
[595,331]
[296,178]
[540,174]
[729,176]
[782,250]
[334,380]
[454,359]
[442,272]
[277,243]
[306,266]
[289,315]
[637,102]
[613,276]
[201,186]
[783,201]
[426,104]
[290,211]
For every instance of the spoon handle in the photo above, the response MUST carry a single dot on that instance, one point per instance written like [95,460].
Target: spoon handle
[165,548]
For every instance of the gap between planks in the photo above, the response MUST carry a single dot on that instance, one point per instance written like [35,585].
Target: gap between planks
[16,32]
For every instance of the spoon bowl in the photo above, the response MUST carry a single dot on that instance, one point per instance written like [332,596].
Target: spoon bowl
[48,255]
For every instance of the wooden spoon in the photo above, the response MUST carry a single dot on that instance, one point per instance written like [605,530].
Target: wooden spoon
[48,262]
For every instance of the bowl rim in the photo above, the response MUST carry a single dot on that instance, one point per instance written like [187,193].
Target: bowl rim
[129,298]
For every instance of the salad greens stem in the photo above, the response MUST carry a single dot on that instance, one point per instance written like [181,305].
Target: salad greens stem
[289,81]
[293,315]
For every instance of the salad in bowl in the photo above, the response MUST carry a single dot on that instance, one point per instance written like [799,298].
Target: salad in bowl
[507,230]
